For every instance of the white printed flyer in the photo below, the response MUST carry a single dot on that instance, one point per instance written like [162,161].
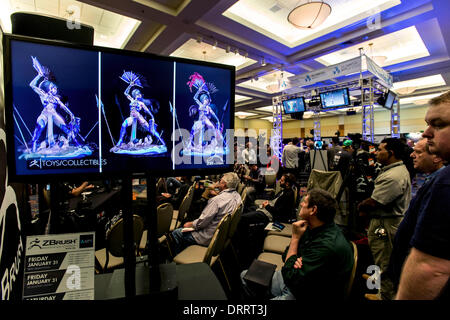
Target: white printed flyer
[60,267]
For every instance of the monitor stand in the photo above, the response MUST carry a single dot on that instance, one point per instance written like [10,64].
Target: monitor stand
[153,278]
[144,286]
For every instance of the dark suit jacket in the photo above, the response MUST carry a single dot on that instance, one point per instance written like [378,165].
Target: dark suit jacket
[284,208]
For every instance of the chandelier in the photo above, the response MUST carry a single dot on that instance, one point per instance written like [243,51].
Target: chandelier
[309,15]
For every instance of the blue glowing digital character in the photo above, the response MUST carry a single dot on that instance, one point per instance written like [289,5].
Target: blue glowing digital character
[201,142]
[67,146]
[137,105]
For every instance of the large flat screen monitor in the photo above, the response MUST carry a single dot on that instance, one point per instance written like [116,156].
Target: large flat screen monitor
[335,99]
[389,100]
[77,110]
[294,105]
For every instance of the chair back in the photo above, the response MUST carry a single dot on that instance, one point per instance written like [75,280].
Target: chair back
[244,196]
[185,204]
[164,213]
[295,190]
[218,240]
[270,179]
[240,188]
[114,238]
[277,187]
[235,218]
[161,186]
[353,273]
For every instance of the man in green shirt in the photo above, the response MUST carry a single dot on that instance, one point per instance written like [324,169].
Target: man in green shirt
[318,260]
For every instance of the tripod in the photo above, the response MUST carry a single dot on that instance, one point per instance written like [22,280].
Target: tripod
[313,165]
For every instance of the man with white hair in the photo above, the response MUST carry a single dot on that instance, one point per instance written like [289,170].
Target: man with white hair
[201,230]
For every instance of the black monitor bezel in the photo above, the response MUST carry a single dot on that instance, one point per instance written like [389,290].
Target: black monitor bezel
[338,106]
[304,105]
[156,172]
[386,99]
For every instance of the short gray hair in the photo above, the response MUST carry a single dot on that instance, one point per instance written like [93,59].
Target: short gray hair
[231,179]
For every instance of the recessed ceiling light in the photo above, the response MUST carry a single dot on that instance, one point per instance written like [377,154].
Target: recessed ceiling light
[268,109]
[409,86]
[400,46]
[238,98]
[242,114]
[423,99]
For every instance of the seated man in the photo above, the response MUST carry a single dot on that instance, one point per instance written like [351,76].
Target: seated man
[204,227]
[178,195]
[255,184]
[319,259]
[280,209]
[251,226]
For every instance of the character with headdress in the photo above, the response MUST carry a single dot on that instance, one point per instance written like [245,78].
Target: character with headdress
[43,84]
[205,111]
[137,104]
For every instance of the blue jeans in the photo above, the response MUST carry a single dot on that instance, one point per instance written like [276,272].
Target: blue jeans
[277,287]
[182,240]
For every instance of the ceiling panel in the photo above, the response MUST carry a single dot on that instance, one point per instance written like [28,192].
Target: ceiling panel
[269,83]
[409,86]
[91,14]
[239,98]
[192,49]
[173,4]
[269,17]
[111,29]
[400,46]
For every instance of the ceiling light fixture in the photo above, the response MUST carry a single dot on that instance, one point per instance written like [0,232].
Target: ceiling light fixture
[309,15]
[236,52]
[405,90]
[199,39]
[379,60]
[263,62]
[215,45]
[274,87]
[227,50]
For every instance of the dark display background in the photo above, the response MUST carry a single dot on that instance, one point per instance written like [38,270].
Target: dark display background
[159,77]
[76,69]
[185,99]
[76,73]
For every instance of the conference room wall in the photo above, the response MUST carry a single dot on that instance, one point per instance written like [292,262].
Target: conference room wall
[252,128]
[411,120]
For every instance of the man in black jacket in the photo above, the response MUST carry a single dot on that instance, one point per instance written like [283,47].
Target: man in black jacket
[252,224]
[177,197]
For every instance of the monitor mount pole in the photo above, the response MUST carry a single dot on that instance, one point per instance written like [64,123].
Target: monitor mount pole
[152,246]
[129,245]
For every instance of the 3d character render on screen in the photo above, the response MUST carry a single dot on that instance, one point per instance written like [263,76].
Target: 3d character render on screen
[139,109]
[68,143]
[206,134]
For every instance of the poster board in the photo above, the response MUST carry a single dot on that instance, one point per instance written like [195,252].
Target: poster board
[59,267]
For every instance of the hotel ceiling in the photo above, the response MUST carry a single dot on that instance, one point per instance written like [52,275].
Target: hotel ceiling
[411,38]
